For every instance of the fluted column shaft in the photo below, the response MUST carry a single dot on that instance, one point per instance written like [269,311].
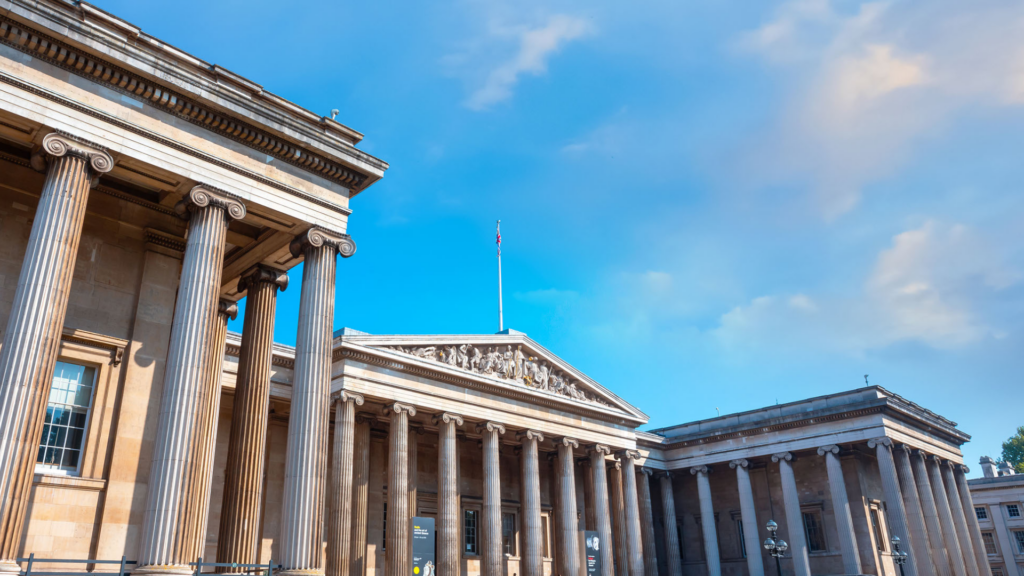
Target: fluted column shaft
[414,454]
[533,544]
[448,557]
[360,493]
[794,518]
[165,546]
[398,546]
[942,504]
[647,523]
[919,542]
[967,503]
[32,339]
[931,515]
[634,545]
[306,457]
[894,502]
[963,532]
[619,520]
[567,522]
[841,508]
[748,511]
[707,521]
[204,440]
[602,514]
[339,518]
[238,540]
[491,556]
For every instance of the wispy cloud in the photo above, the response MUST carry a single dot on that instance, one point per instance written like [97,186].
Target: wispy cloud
[536,45]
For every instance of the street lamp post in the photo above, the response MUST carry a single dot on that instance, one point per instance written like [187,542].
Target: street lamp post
[775,546]
[898,556]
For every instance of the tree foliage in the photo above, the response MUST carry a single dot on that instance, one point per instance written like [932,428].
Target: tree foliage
[1013,450]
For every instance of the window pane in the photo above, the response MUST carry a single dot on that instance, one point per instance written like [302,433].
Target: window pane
[990,543]
[63,435]
[813,531]
[1018,535]
[743,544]
[1012,510]
[544,532]
[981,512]
[469,531]
[70,459]
[875,521]
[508,533]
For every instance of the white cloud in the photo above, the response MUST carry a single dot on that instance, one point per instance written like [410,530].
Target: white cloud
[536,46]
[923,288]
[862,88]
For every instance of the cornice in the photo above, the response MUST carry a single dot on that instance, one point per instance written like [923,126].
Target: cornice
[116,346]
[114,76]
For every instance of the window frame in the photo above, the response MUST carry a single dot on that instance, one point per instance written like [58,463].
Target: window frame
[819,513]
[981,513]
[1018,537]
[878,529]
[1015,510]
[58,470]
[991,539]
[514,537]
[475,510]
[743,543]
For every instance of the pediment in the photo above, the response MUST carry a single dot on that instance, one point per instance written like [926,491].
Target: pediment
[508,360]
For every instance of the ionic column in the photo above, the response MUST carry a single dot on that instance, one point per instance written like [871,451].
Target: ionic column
[894,501]
[634,546]
[398,546]
[305,459]
[490,553]
[32,338]
[841,507]
[647,523]
[533,537]
[449,560]
[174,457]
[748,511]
[794,518]
[360,492]
[567,522]
[942,504]
[967,503]
[339,519]
[931,515]
[919,537]
[238,540]
[618,519]
[963,532]
[414,454]
[204,437]
[602,514]
[707,520]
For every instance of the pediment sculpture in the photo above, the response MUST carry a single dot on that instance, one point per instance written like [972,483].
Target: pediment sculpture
[511,364]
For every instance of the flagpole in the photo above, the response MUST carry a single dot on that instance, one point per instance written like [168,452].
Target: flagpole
[501,320]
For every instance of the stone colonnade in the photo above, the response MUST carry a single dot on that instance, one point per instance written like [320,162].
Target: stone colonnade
[174,524]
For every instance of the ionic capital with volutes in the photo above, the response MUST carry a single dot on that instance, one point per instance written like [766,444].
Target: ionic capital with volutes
[398,408]
[934,458]
[831,448]
[349,396]
[787,456]
[599,449]
[883,441]
[702,469]
[631,454]
[203,196]
[57,144]
[365,418]
[490,427]
[227,308]
[262,273]
[740,462]
[962,468]
[569,442]
[317,237]
[645,470]
[529,435]
[447,418]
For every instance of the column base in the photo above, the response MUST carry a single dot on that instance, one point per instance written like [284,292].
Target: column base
[165,570]
[9,567]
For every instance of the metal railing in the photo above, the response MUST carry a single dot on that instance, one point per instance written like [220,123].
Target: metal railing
[253,569]
[122,563]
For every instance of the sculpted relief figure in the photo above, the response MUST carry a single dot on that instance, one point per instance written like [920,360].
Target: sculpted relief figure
[513,365]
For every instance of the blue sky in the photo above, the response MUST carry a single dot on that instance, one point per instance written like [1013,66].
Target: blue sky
[705,205]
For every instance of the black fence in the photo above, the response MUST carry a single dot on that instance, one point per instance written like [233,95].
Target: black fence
[123,567]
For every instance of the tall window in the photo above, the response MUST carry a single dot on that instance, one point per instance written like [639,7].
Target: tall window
[679,532]
[990,543]
[384,528]
[67,413]
[469,530]
[1018,536]
[814,530]
[1013,511]
[508,533]
[981,512]
[545,535]
[997,571]
[876,526]
[743,543]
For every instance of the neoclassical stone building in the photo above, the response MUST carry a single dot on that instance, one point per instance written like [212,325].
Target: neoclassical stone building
[144,191]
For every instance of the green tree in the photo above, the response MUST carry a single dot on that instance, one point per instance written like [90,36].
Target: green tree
[1013,450]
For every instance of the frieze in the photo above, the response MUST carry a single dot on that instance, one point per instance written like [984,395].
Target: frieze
[510,365]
